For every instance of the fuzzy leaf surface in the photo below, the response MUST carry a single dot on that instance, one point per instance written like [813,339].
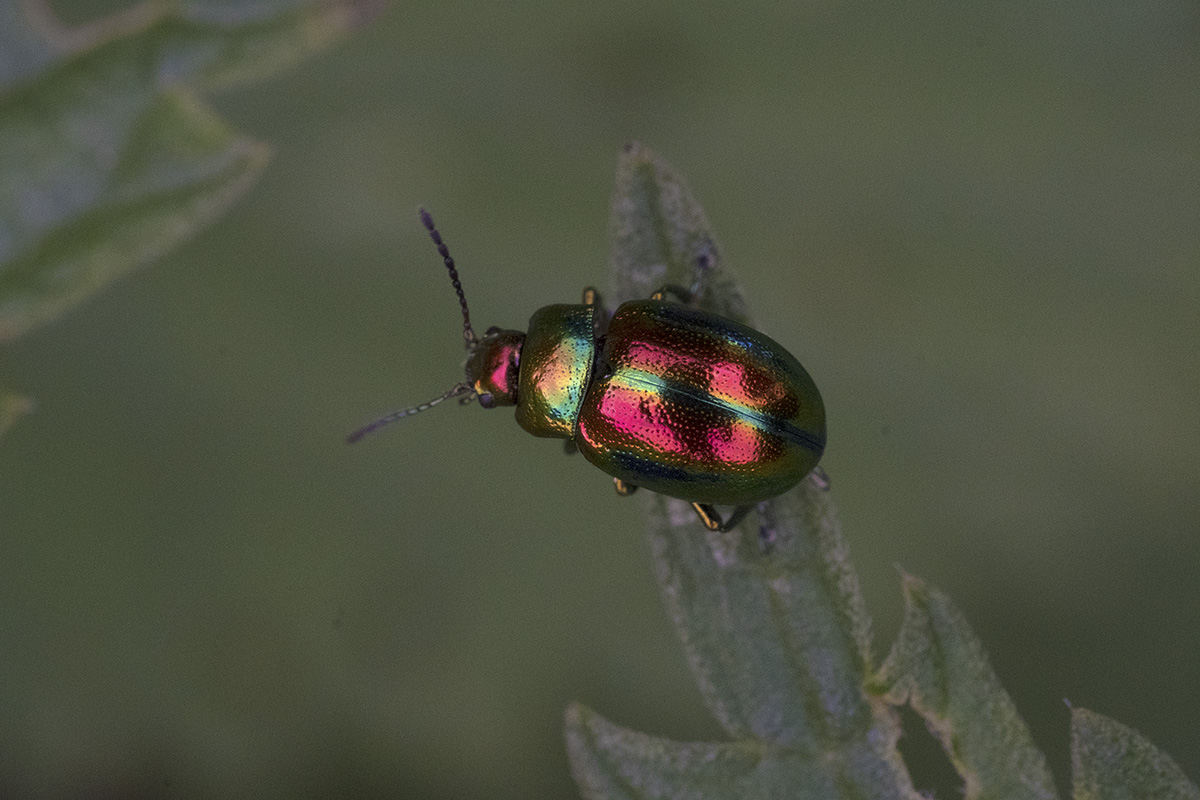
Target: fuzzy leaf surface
[107,157]
[939,667]
[1111,761]
[611,762]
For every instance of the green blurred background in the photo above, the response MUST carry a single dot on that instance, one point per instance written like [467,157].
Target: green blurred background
[978,225]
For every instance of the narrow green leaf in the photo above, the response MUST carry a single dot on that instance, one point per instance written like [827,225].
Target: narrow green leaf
[940,668]
[772,620]
[1111,761]
[777,640]
[106,159]
[659,231]
[612,763]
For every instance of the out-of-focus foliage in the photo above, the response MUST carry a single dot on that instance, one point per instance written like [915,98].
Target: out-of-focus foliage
[108,158]
[1111,761]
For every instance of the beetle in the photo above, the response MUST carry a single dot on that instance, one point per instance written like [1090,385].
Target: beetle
[659,394]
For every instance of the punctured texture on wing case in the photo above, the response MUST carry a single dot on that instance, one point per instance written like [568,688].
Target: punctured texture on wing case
[696,406]
[556,365]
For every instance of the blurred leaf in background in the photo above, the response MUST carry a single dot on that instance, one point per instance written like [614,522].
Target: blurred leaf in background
[1111,761]
[108,158]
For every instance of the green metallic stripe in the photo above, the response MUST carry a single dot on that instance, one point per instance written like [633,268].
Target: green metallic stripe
[639,378]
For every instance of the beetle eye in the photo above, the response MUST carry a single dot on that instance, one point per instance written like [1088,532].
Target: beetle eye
[486,400]
[492,330]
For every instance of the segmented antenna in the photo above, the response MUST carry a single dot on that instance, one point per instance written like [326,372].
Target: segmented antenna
[457,390]
[468,333]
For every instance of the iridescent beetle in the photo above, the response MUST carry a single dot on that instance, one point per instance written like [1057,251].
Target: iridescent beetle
[660,395]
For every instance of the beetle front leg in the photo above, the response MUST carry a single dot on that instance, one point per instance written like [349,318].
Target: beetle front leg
[706,259]
[681,294]
[624,488]
[591,297]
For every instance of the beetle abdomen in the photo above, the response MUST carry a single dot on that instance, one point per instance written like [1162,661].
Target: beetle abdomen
[699,407]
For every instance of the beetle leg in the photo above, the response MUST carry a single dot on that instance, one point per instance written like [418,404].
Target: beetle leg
[624,488]
[706,259]
[681,294]
[735,519]
[569,447]
[708,515]
[601,315]
[712,520]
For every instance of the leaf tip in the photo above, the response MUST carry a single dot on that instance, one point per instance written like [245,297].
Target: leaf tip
[916,591]
[575,714]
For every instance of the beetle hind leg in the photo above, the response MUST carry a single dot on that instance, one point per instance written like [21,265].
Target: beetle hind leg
[624,488]
[712,520]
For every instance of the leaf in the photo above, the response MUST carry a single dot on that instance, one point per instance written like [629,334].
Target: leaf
[107,158]
[27,39]
[658,233]
[777,637]
[183,168]
[611,762]
[1111,761]
[939,667]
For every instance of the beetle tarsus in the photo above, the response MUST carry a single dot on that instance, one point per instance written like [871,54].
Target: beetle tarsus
[708,516]
[706,259]
[624,488]
[711,518]
[681,294]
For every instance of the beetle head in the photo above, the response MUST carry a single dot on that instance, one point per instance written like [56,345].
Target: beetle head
[491,361]
[492,367]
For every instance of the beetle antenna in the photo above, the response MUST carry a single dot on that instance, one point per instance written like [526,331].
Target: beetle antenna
[457,390]
[468,333]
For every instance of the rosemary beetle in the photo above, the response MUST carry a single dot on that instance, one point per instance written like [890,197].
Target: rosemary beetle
[659,394]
